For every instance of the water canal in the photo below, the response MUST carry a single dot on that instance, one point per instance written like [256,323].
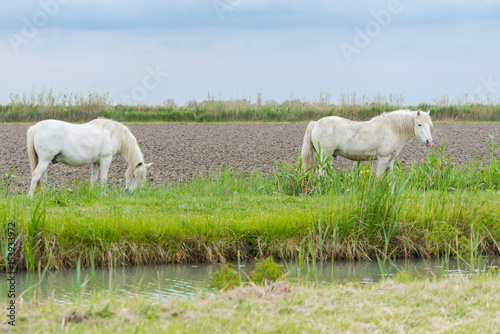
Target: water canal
[165,282]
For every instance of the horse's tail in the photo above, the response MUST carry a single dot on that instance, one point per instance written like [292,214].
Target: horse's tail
[308,150]
[31,148]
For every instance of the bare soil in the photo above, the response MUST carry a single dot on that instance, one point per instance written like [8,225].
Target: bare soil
[180,151]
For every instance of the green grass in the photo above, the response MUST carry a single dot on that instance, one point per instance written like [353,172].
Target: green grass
[451,305]
[44,104]
[418,211]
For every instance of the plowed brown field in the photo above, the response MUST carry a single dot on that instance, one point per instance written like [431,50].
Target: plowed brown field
[180,151]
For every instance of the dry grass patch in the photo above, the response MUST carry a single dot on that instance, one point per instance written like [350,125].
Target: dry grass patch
[458,305]
[271,293]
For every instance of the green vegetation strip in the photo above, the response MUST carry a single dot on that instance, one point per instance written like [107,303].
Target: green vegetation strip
[452,305]
[37,106]
[418,211]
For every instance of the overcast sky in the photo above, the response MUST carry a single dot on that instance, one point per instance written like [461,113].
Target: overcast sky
[150,51]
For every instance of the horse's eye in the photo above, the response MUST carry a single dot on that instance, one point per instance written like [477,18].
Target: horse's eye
[420,125]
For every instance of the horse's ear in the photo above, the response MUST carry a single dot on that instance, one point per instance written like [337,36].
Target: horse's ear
[429,111]
[142,163]
[418,113]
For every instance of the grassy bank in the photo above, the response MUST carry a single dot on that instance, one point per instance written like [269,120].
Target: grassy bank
[419,211]
[457,305]
[36,106]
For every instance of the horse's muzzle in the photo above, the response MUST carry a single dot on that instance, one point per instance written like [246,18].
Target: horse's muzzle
[428,143]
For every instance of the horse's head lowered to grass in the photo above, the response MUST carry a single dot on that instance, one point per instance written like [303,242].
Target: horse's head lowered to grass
[95,142]
[423,126]
[136,177]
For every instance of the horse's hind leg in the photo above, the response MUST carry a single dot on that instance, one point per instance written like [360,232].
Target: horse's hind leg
[43,179]
[324,159]
[39,173]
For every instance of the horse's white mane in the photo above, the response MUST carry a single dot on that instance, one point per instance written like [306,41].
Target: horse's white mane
[401,121]
[129,145]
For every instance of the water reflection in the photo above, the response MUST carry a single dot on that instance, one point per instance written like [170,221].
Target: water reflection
[159,282]
[371,272]
[186,281]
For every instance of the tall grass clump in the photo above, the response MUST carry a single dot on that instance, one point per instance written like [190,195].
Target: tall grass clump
[438,173]
[265,272]
[44,104]
[464,108]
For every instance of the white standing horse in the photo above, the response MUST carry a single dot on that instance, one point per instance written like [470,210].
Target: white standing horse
[95,142]
[380,138]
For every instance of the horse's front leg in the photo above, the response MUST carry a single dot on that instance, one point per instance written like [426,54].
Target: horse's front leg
[105,163]
[95,173]
[382,163]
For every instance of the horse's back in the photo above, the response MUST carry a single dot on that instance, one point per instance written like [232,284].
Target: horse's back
[49,132]
[54,127]
[58,128]
[72,144]
[350,139]
[55,132]
[338,129]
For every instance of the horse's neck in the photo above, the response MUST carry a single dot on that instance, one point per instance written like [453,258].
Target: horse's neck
[128,148]
[403,127]
[131,154]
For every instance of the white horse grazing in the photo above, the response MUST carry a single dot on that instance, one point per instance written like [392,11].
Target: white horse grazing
[95,142]
[380,138]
